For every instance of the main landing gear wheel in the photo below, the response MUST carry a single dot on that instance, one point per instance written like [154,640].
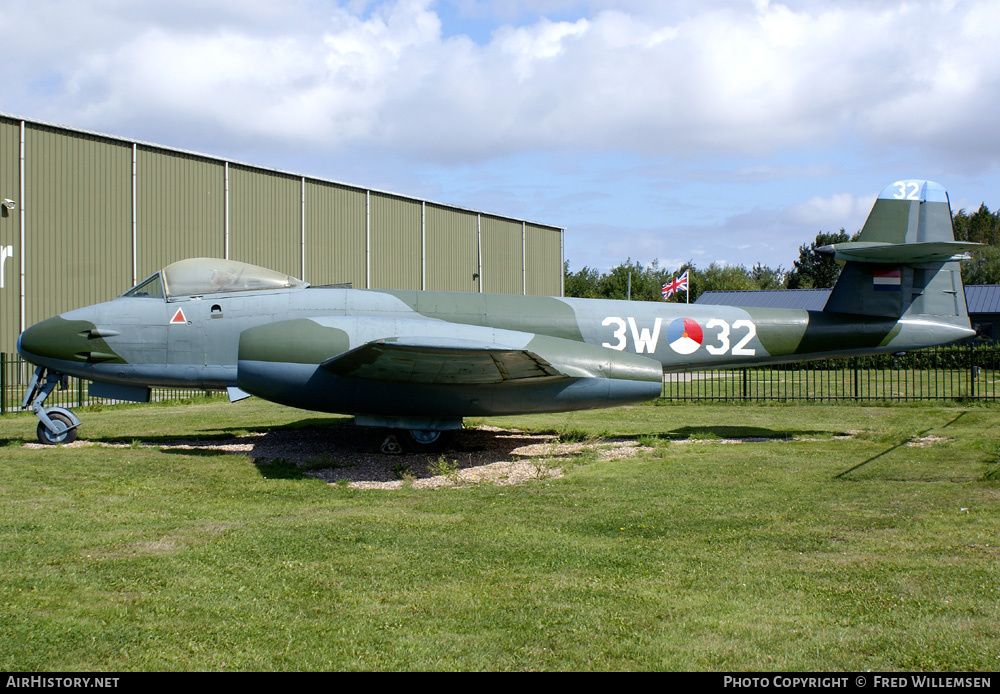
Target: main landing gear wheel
[416,441]
[427,440]
[49,439]
[391,446]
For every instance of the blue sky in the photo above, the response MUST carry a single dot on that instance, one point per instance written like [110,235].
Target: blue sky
[715,131]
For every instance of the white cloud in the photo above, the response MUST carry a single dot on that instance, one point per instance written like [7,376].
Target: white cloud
[721,77]
[839,210]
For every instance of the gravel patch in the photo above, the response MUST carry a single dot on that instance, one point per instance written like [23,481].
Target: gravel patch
[730,441]
[925,441]
[348,454]
[345,454]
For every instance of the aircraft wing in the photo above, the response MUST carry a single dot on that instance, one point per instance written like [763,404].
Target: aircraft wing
[440,360]
[418,368]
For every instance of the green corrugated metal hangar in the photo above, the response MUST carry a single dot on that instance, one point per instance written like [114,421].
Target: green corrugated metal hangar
[84,216]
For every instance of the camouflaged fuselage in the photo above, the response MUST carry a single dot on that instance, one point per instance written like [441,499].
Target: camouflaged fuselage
[212,323]
[130,339]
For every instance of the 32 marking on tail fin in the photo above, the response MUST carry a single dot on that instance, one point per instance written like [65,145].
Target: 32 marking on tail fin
[908,190]
[915,190]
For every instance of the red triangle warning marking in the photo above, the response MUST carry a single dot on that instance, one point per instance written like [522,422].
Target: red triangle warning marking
[178,318]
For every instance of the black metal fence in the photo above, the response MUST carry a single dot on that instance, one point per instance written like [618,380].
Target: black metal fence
[964,372]
[961,372]
[15,374]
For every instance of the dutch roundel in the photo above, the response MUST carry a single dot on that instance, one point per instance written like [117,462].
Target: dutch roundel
[684,336]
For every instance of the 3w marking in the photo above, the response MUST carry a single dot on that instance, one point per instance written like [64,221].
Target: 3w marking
[644,341]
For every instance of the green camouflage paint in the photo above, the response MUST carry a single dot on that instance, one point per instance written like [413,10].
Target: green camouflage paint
[69,340]
[299,341]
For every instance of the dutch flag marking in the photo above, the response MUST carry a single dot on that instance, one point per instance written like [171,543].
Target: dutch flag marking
[887,280]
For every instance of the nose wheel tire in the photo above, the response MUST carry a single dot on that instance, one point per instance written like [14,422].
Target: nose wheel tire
[49,439]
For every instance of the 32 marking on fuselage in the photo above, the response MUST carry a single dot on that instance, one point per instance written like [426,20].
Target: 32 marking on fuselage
[684,335]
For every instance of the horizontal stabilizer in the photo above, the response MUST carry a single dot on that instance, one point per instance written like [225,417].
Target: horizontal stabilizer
[902,253]
[439,360]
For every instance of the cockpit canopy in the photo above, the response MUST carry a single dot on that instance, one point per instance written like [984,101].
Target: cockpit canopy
[198,276]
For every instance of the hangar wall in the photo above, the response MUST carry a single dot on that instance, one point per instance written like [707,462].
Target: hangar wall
[91,214]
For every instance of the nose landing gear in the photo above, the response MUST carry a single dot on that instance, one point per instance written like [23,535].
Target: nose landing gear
[55,424]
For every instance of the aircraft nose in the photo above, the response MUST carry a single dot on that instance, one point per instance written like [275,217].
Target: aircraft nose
[65,340]
[48,339]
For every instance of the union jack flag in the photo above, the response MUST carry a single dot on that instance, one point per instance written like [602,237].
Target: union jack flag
[676,284]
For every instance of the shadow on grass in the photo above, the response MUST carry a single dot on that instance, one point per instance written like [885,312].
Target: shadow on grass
[741,432]
[224,433]
[279,469]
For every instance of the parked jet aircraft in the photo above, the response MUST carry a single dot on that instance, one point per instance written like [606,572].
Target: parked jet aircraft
[421,361]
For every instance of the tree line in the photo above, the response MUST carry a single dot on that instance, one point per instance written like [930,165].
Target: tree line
[812,270]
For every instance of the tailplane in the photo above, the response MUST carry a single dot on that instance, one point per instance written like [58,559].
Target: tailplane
[905,263]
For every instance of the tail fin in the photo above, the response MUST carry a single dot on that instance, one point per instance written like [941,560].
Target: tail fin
[905,262]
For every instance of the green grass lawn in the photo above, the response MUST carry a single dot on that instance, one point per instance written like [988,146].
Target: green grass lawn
[832,544]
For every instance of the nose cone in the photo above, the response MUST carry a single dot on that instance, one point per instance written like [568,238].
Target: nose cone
[50,338]
[61,340]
